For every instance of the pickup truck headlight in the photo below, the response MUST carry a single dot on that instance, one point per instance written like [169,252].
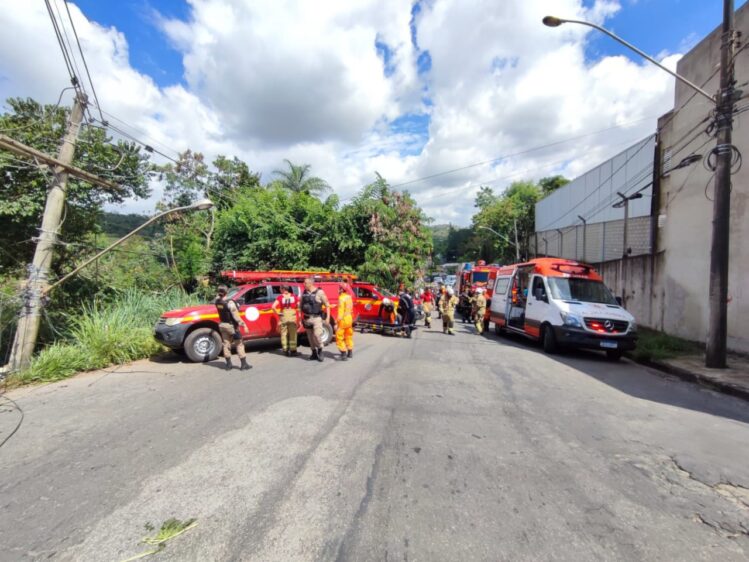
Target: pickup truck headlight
[172,321]
[571,320]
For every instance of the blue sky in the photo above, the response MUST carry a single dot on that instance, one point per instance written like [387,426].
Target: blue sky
[655,26]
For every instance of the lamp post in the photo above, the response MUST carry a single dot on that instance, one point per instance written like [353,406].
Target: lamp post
[503,237]
[25,340]
[585,232]
[717,334]
[625,199]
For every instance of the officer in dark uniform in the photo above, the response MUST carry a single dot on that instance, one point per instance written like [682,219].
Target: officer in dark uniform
[229,320]
[314,305]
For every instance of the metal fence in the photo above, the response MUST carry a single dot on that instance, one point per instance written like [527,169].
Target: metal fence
[595,243]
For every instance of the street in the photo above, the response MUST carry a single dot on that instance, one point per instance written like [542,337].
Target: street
[433,448]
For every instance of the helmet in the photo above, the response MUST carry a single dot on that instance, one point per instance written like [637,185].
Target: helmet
[386,301]
[479,291]
[450,291]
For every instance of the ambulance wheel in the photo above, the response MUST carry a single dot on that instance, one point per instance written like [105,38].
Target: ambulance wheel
[614,354]
[499,330]
[549,340]
[202,345]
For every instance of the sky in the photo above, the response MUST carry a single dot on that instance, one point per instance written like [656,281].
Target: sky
[437,96]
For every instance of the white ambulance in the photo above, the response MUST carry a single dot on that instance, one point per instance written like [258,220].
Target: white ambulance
[561,303]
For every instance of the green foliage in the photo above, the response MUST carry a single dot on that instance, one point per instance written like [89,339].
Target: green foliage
[103,333]
[118,225]
[298,179]
[551,184]
[23,185]
[658,346]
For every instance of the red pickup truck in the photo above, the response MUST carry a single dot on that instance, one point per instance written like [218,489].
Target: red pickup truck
[194,330]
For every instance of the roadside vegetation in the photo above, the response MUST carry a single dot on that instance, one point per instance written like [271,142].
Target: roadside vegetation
[653,345]
[103,333]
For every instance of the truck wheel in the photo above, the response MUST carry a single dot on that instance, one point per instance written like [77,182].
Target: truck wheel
[328,333]
[549,340]
[203,344]
[614,354]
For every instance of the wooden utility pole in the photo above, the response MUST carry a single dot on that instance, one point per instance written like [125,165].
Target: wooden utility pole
[716,348]
[30,315]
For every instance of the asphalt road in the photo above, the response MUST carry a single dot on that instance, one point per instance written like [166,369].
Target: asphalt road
[435,448]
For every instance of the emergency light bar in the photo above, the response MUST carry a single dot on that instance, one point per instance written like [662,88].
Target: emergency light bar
[286,275]
[572,268]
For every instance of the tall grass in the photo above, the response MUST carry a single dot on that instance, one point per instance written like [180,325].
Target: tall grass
[100,334]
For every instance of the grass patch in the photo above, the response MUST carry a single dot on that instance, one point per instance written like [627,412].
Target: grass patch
[102,334]
[658,346]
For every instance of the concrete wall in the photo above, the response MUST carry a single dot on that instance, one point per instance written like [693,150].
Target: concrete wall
[685,205]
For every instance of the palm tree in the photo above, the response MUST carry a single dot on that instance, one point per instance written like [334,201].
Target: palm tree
[298,179]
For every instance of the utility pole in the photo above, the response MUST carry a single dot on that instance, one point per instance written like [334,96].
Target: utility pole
[715,350]
[585,232]
[517,248]
[30,315]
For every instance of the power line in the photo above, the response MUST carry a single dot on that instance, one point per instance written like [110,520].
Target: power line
[83,58]
[61,43]
[534,149]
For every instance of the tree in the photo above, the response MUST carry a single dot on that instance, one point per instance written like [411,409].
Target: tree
[298,179]
[485,197]
[23,184]
[551,184]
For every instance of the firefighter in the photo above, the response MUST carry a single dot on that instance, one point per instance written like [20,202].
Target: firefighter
[480,310]
[315,305]
[447,307]
[286,306]
[387,312]
[229,320]
[344,333]
[427,300]
[440,298]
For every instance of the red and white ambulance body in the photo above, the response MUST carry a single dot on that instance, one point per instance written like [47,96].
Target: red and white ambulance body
[194,329]
[562,303]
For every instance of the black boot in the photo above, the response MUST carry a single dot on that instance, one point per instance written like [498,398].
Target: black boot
[314,354]
[245,366]
[350,353]
[228,364]
[320,355]
[344,357]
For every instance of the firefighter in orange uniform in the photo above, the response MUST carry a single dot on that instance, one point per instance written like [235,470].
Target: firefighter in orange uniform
[286,306]
[344,333]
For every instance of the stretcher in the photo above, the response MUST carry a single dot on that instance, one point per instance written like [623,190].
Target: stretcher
[381,326]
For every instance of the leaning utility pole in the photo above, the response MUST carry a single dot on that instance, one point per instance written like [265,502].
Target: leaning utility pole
[715,350]
[30,315]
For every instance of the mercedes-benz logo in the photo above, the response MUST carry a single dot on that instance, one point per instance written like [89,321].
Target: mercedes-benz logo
[609,325]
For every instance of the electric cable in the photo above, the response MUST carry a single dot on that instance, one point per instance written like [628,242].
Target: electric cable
[20,420]
[83,58]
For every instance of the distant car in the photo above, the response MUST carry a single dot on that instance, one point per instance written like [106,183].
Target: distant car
[450,280]
[437,279]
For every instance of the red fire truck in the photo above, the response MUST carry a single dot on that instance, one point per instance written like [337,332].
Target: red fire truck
[193,330]
[471,277]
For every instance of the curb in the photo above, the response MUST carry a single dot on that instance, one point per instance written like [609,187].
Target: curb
[737,391]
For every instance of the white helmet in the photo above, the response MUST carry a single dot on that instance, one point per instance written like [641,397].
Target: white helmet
[479,291]
[386,301]
[450,291]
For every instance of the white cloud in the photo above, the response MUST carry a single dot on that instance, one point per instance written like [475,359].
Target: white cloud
[273,79]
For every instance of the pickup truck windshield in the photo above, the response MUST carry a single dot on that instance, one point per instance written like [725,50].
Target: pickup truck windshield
[584,290]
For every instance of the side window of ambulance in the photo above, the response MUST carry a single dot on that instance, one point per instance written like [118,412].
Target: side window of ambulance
[501,286]
[539,288]
[257,295]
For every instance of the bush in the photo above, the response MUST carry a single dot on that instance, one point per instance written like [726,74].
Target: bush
[103,334]
[658,346]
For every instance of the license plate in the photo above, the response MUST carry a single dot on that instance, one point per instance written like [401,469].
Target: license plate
[609,344]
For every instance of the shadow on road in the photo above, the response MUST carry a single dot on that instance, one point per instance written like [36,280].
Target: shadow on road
[638,381]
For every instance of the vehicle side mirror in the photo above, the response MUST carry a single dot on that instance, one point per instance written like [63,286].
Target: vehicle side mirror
[619,301]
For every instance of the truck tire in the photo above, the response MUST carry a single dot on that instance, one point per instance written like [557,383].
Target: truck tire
[202,345]
[549,340]
[328,333]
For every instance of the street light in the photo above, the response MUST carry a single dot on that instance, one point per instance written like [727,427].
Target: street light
[717,333]
[503,237]
[201,205]
[552,21]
